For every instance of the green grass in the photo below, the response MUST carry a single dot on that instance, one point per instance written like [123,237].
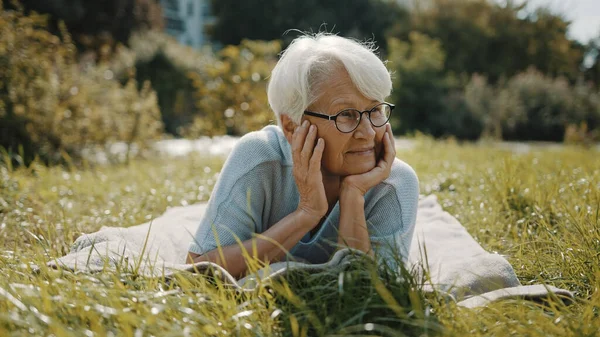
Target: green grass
[539,209]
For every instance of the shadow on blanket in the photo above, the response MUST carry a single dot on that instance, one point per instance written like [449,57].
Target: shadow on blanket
[456,264]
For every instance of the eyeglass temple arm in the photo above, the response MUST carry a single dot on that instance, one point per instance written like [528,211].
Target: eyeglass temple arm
[314,114]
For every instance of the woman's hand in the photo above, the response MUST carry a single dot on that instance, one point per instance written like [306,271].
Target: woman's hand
[353,231]
[361,183]
[307,171]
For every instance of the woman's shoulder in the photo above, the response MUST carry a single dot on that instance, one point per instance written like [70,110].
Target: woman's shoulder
[401,171]
[257,158]
[265,145]
[403,179]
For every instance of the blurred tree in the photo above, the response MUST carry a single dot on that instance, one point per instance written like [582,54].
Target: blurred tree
[51,108]
[484,37]
[268,20]
[548,48]
[428,100]
[230,93]
[548,105]
[98,24]
[532,106]
[586,101]
[591,64]
[495,106]
[167,64]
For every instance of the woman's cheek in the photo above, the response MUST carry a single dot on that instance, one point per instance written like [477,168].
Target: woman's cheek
[380,147]
[328,161]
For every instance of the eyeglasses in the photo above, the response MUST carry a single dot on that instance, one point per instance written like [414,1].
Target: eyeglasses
[349,119]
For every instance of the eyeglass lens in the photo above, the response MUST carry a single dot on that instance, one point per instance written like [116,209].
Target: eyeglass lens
[348,120]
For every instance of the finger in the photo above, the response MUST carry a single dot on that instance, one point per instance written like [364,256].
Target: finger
[389,154]
[309,144]
[298,141]
[389,127]
[315,160]
[295,146]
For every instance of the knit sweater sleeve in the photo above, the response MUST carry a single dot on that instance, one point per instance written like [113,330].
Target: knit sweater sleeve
[391,217]
[235,207]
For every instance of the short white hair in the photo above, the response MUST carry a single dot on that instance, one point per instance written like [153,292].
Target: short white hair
[311,59]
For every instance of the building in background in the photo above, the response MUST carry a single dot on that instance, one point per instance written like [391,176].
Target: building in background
[186,20]
[414,4]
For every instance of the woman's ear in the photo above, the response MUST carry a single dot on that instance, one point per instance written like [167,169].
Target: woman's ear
[288,126]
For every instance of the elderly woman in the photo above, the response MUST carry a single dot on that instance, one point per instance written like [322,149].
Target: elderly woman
[326,177]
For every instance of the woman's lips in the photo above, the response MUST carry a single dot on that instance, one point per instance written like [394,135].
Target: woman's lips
[363,152]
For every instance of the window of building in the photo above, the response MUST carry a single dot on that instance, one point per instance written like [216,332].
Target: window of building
[174,24]
[190,8]
[171,5]
[205,7]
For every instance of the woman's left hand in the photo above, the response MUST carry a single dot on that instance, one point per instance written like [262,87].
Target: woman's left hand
[362,183]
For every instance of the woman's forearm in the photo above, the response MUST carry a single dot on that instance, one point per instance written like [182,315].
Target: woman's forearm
[353,231]
[268,246]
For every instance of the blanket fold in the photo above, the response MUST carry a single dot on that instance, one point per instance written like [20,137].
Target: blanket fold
[456,264]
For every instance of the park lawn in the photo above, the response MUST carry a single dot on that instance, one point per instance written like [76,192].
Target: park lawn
[539,209]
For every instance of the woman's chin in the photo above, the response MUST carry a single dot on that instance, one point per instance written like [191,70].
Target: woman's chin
[351,167]
[360,168]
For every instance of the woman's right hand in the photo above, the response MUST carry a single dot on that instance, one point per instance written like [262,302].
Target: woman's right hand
[307,153]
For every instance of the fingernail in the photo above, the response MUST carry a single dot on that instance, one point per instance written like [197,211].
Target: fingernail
[305,123]
[312,128]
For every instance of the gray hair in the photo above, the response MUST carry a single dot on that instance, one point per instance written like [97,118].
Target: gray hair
[311,59]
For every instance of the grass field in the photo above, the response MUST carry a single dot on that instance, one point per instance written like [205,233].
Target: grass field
[539,209]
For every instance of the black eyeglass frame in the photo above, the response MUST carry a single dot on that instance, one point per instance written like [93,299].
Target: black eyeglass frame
[368,112]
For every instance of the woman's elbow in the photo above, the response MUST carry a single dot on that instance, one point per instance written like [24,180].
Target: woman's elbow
[192,258]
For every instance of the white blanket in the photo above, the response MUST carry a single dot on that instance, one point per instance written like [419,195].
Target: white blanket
[457,265]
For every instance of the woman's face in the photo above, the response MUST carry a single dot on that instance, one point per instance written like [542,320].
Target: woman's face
[346,153]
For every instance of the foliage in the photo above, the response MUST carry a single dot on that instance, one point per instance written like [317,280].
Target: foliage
[356,299]
[534,107]
[592,62]
[231,92]
[547,104]
[99,25]
[168,66]
[201,92]
[51,108]
[268,20]
[586,100]
[539,209]
[497,107]
[426,97]
[580,134]
[496,40]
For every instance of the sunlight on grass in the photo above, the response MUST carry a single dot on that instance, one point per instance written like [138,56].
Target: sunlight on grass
[539,209]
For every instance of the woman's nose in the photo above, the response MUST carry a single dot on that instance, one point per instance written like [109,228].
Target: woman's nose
[365,129]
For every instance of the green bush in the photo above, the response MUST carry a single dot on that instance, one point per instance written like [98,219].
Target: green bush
[532,106]
[168,65]
[428,100]
[231,92]
[52,107]
[586,100]
[97,27]
[495,106]
[548,106]
[201,93]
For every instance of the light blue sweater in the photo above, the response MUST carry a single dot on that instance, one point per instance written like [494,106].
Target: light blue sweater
[256,189]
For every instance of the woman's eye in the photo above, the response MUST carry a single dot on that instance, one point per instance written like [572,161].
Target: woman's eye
[347,114]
